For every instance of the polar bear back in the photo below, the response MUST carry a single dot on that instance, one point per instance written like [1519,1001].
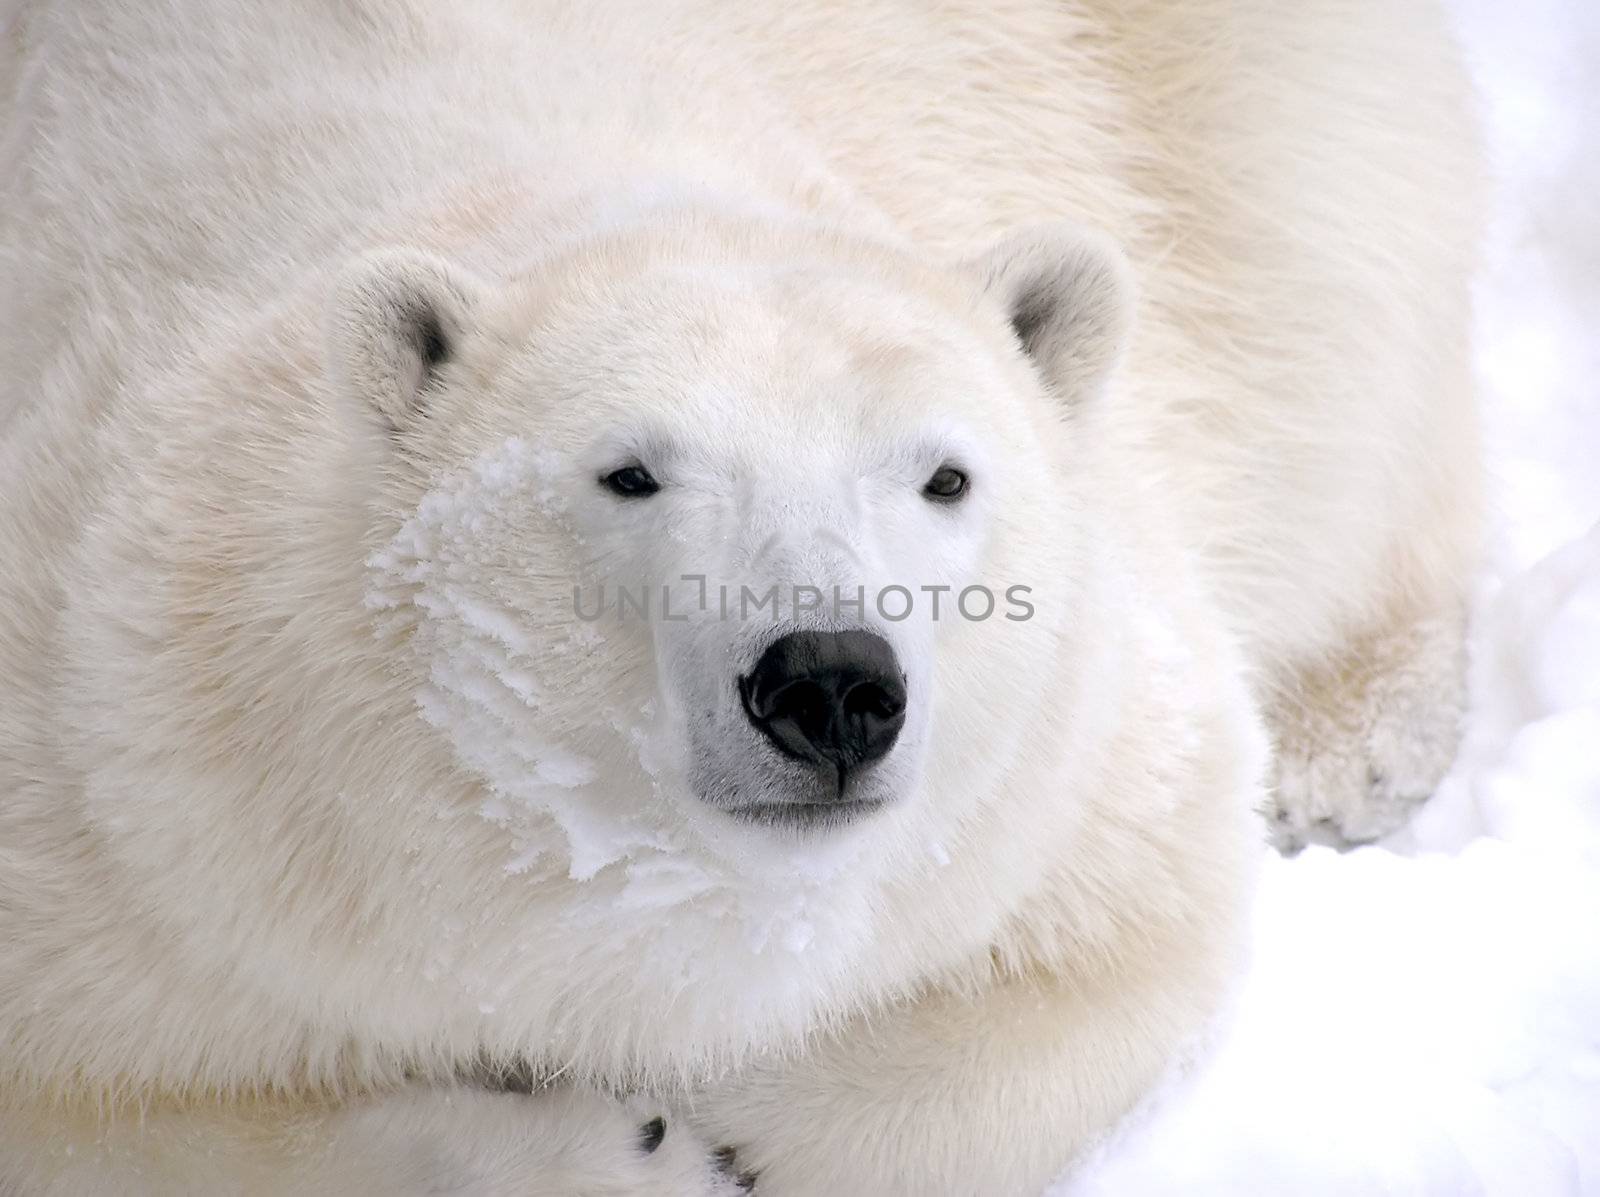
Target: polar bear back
[1298,187]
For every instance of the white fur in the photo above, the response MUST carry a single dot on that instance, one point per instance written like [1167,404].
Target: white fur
[314,793]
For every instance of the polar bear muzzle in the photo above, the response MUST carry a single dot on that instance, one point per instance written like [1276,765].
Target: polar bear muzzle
[833,700]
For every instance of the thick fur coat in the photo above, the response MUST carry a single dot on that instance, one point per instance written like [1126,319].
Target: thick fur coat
[320,805]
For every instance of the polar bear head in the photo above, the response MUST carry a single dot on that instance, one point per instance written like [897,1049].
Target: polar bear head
[736,568]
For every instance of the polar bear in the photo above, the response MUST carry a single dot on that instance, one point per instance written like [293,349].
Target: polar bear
[477,486]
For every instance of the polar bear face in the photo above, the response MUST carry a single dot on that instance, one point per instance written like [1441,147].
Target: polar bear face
[733,567]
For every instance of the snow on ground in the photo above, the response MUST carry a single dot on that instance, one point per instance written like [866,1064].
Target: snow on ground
[1423,1017]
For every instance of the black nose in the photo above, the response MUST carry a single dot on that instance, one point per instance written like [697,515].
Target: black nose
[831,698]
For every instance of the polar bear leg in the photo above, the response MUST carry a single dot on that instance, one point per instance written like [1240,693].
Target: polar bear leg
[1363,740]
[560,1142]
[992,1093]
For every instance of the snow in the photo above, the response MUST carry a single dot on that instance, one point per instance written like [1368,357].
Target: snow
[482,690]
[1423,1017]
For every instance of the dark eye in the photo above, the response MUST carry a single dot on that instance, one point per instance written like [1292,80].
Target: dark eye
[946,486]
[631,482]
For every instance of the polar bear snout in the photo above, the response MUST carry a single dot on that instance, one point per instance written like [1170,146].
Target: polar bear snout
[835,700]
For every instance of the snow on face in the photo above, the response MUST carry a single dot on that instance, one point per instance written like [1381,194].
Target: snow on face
[593,784]
[483,688]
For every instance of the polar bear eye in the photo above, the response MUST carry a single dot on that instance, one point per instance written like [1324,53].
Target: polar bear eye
[946,486]
[631,482]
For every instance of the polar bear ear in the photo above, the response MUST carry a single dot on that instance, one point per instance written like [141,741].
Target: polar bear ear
[1069,293]
[398,318]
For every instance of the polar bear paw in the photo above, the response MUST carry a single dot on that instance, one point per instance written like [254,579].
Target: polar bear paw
[557,1142]
[1361,745]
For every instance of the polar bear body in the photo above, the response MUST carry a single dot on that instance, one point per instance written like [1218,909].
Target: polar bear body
[254,835]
